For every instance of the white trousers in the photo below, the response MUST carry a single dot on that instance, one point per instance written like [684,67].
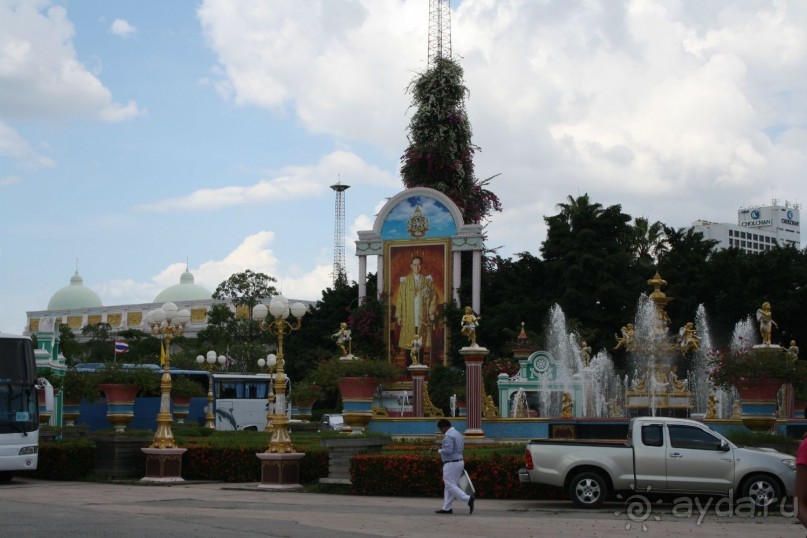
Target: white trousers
[452,471]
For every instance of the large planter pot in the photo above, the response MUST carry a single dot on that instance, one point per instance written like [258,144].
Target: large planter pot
[181,407]
[758,403]
[70,411]
[357,400]
[120,403]
[303,411]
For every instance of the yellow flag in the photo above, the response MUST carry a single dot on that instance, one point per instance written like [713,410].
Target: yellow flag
[162,355]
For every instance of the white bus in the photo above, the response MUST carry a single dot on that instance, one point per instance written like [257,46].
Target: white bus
[240,401]
[19,407]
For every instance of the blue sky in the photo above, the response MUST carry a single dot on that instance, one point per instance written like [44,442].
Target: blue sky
[136,136]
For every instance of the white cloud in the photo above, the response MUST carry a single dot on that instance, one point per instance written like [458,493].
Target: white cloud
[254,253]
[291,182]
[40,74]
[122,28]
[9,180]
[15,147]
[341,66]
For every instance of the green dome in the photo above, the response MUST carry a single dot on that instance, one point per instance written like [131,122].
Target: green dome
[186,290]
[74,296]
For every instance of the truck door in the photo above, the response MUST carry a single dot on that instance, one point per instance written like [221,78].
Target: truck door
[649,461]
[696,462]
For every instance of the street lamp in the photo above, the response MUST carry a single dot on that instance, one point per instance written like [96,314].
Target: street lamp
[269,364]
[210,419]
[167,321]
[279,309]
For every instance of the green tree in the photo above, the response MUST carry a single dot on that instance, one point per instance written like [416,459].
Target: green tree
[440,153]
[649,241]
[246,289]
[590,269]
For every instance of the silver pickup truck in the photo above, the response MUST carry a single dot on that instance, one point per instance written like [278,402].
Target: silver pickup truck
[661,455]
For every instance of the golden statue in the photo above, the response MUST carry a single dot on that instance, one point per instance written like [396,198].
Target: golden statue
[469,324]
[677,383]
[489,409]
[626,340]
[585,351]
[688,338]
[567,406]
[711,407]
[343,339]
[429,409]
[766,323]
[414,350]
[793,351]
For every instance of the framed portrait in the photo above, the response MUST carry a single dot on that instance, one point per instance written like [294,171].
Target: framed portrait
[418,283]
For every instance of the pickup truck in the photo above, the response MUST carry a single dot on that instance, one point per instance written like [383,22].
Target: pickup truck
[661,455]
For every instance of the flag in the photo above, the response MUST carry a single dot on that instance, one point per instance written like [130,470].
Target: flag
[121,347]
[162,355]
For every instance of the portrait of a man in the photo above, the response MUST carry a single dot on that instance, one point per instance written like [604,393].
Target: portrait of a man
[417,278]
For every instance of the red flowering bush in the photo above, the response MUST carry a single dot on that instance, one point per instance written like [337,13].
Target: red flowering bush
[751,366]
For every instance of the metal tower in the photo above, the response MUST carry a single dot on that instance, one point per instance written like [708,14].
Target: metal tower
[439,30]
[339,233]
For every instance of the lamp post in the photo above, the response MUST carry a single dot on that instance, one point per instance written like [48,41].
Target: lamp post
[279,308]
[210,419]
[268,365]
[163,457]
[167,321]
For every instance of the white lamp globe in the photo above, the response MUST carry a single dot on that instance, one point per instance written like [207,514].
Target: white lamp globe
[259,312]
[200,359]
[298,310]
[170,310]
[279,306]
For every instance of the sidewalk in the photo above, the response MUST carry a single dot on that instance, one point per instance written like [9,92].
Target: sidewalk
[35,508]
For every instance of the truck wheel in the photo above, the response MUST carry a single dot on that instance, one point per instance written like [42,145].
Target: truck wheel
[6,476]
[588,490]
[762,490]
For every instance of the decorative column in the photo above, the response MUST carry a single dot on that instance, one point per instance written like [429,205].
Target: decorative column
[474,356]
[164,457]
[418,372]
[476,282]
[456,277]
[379,276]
[362,279]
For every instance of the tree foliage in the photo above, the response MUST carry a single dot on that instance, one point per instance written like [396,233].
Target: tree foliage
[440,153]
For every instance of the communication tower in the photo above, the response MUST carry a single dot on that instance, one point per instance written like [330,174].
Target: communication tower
[339,233]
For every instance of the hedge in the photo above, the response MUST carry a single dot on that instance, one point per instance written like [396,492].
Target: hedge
[71,459]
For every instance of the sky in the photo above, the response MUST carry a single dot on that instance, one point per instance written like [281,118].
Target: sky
[140,137]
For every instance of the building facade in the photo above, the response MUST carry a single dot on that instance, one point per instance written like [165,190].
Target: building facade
[758,228]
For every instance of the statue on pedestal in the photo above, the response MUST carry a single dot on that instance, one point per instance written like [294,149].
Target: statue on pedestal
[343,339]
[688,338]
[469,325]
[766,323]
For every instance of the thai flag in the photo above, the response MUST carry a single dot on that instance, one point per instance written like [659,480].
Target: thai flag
[121,347]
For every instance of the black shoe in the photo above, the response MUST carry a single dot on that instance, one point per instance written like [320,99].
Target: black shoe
[444,511]
[471,504]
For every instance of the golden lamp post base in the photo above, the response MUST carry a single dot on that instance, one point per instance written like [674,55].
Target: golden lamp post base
[280,471]
[163,464]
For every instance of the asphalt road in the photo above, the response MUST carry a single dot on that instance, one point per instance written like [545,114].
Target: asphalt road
[40,508]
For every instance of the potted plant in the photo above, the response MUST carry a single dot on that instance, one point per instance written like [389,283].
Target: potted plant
[182,390]
[357,380]
[120,385]
[757,373]
[77,386]
[303,395]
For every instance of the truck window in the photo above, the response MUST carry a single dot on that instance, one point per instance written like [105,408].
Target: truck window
[694,438]
[651,435]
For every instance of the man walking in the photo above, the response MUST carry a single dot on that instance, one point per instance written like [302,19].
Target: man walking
[453,466]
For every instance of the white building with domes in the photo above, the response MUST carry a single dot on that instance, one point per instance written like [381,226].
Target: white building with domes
[77,306]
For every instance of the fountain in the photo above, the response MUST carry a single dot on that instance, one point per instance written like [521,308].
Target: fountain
[565,368]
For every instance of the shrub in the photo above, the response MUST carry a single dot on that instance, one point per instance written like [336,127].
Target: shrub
[70,459]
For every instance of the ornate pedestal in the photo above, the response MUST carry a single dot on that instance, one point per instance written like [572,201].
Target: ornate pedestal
[163,464]
[418,372]
[280,471]
[473,389]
